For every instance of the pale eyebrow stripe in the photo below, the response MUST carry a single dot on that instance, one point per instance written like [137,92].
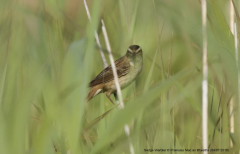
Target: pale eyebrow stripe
[130,50]
[138,49]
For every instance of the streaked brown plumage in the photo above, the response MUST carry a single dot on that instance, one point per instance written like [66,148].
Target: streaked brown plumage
[128,68]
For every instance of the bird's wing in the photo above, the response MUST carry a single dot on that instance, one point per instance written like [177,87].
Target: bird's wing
[106,75]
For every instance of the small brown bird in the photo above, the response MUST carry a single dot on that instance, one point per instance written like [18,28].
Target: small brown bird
[128,68]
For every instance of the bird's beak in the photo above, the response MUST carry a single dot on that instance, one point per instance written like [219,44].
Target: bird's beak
[134,53]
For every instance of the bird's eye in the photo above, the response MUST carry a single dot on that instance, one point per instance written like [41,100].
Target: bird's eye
[139,51]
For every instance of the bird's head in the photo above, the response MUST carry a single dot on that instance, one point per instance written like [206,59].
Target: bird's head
[134,51]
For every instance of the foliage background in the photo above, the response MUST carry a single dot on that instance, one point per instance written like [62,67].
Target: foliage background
[49,55]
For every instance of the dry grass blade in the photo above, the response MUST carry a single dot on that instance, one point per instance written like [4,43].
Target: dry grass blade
[236,34]
[205,80]
[170,57]
[216,124]
[212,101]
[119,93]
[96,36]
[238,19]
[116,81]
[220,100]
[96,120]
[87,138]
[236,11]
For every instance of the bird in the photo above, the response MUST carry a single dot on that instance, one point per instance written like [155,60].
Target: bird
[128,68]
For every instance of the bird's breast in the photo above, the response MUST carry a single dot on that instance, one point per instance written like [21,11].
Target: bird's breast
[124,81]
[135,69]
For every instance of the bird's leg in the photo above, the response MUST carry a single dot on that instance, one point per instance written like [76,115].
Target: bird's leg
[116,96]
[108,96]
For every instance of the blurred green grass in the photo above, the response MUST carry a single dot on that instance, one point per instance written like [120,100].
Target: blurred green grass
[49,55]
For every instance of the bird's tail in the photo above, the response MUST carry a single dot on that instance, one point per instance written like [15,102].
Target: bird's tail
[94,91]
